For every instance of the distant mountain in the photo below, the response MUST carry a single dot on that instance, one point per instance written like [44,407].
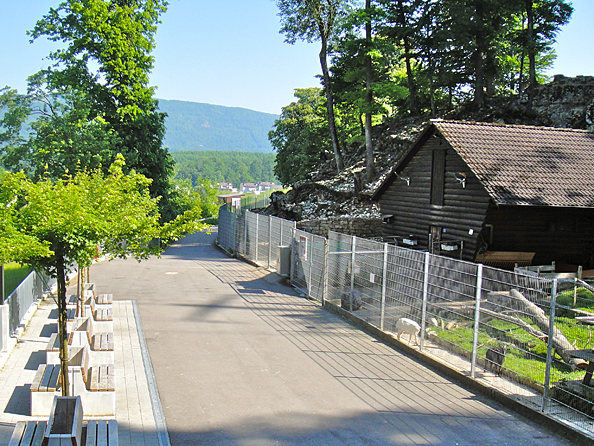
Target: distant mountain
[198,126]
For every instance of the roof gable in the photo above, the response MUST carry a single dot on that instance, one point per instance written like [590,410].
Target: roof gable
[522,165]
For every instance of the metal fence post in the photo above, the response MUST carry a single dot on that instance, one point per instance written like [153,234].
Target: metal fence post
[326,274]
[310,263]
[269,240]
[547,380]
[245,232]
[353,253]
[293,253]
[255,259]
[281,233]
[384,283]
[477,317]
[425,298]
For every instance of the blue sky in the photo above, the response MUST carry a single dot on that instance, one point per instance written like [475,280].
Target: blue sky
[229,52]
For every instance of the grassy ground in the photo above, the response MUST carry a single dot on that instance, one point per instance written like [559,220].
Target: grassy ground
[527,355]
[14,274]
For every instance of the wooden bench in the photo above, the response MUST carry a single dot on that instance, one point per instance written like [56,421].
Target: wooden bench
[46,378]
[95,383]
[104,299]
[505,259]
[99,306]
[101,346]
[101,432]
[45,386]
[94,433]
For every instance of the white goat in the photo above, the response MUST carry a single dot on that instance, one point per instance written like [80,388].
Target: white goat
[408,326]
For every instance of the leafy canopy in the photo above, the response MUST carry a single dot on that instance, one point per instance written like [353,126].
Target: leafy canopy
[105,63]
[78,214]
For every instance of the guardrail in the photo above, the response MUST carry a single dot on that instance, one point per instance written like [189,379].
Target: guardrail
[19,302]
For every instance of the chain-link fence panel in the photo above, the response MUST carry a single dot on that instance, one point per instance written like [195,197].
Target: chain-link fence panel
[529,336]
[307,266]
[339,273]
[570,388]
[514,322]
[263,249]
[226,236]
[251,236]
[449,306]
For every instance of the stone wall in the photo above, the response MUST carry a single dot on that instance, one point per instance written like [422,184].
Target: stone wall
[361,227]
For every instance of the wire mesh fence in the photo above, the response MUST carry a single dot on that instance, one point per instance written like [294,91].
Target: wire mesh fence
[528,336]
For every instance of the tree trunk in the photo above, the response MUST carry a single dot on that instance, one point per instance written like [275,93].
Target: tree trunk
[62,323]
[330,105]
[531,48]
[479,62]
[522,55]
[412,88]
[369,162]
[516,301]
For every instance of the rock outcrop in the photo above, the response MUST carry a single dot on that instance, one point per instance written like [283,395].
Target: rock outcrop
[565,102]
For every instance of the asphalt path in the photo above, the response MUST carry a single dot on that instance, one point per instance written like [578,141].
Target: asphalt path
[241,359]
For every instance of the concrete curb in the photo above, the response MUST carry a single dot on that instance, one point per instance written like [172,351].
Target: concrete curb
[160,422]
[553,424]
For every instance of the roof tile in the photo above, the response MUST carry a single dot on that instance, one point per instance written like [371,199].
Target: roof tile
[525,165]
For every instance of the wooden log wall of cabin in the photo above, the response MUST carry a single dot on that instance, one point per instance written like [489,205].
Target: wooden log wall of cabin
[564,235]
[463,208]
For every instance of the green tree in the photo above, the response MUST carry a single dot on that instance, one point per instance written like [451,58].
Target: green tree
[300,136]
[312,20]
[62,132]
[107,59]
[73,217]
[202,196]
[544,19]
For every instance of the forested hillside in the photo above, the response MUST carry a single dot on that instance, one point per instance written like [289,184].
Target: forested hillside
[231,167]
[198,126]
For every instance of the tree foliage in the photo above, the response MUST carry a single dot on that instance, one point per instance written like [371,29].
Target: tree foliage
[300,136]
[95,101]
[73,219]
[415,57]
[218,167]
[313,20]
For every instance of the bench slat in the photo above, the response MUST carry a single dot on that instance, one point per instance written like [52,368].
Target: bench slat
[46,378]
[17,433]
[29,433]
[53,381]
[110,346]
[91,433]
[37,379]
[112,427]
[103,314]
[111,378]
[102,433]
[105,299]
[94,379]
[103,378]
[39,432]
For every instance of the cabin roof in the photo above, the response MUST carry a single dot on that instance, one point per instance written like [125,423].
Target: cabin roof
[522,165]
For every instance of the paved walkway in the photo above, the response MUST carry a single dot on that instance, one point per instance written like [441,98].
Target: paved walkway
[241,359]
[134,412]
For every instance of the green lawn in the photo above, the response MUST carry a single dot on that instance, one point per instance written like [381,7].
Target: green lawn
[14,274]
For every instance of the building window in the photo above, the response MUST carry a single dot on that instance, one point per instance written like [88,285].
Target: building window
[438,177]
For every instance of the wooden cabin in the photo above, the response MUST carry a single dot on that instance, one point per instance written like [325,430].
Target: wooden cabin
[496,194]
